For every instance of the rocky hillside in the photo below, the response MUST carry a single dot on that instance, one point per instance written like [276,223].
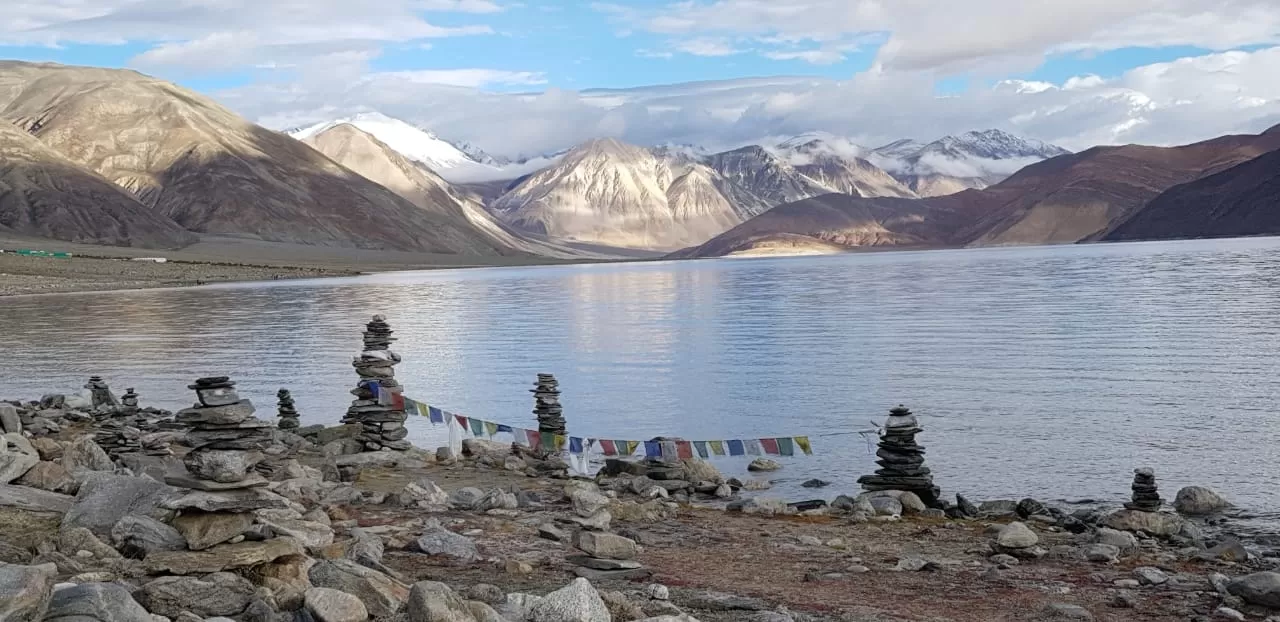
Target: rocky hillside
[1242,200]
[192,161]
[1065,199]
[361,152]
[955,163]
[43,194]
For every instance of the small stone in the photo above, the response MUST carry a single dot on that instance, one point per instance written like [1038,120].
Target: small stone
[1148,575]
[764,465]
[1124,600]
[1227,614]
[518,568]
[1101,553]
[17,456]
[437,540]
[1065,611]
[381,594]
[329,605]
[95,602]
[606,545]
[1127,583]
[1016,535]
[206,529]
[658,591]
[1003,560]
[809,541]
[1122,540]
[548,531]
[815,483]
[138,536]
[587,502]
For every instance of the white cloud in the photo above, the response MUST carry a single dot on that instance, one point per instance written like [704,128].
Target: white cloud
[210,35]
[707,47]
[1167,103]
[473,78]
[959,36]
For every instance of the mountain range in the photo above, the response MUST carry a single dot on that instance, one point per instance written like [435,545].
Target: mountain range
[116,157]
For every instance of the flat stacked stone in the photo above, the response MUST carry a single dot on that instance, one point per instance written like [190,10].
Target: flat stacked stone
[117,437]
[380,413]
[285,409]
[226,439]
[99,393]
[546,399]
[1146,496]
[901,460]
[128,403]
[606,556]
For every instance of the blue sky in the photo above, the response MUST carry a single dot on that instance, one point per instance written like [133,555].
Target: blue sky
[1153,71]
[575,45]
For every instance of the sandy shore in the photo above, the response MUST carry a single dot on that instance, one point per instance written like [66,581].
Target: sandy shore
[212,260]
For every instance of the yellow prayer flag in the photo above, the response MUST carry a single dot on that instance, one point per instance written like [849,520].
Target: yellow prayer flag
[717,447]
[490,428]
[803,443]
[560,441]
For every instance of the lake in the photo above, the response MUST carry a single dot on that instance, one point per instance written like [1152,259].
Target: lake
[1050,372]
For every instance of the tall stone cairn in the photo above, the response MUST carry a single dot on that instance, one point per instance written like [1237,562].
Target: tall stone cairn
[1146,496]
[128,403]
[382,419]
[226,440]
[100,393]
[901,460]
[546,405]
[285,409]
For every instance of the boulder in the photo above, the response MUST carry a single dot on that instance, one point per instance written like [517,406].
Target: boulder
[310,534]
[576,602]
[222,466]
[17,456]
[381,594]
[587,502]
[84,456]
[1148,575]
[330,605]
[138,536]
[764,465]
[95,602]
[607,545]
[10,422]
[998,509]
[288,578]
[205,529]
[366,549]
[466,498]
[105,498]
[425,494]
[240,500]
[1016,535]
[219,594]
[1101,553]
[886,505]
[72,540]
[1199,501]
[49,449]
[698,470]
[1122,540]
[1155,523]
[497,499]
[431,601]
[767,506]
[436,540]
[1065,611]
[25,591]
[49,476]
[221,557]
[1260,588]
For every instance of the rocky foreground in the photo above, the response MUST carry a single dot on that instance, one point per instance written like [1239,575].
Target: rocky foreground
[326,532]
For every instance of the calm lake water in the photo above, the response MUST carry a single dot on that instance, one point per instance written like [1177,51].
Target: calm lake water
[1049,372]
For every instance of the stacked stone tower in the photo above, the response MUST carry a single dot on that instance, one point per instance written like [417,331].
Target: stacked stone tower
[901,460]
[546,399]
[226,440]
[288,414]
[379,403]
[1146,496]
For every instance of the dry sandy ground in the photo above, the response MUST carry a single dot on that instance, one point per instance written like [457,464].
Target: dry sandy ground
[214,259]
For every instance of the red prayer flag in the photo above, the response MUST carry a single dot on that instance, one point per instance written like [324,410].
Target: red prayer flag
[462,421]
[684,450]
[535,438]
[770,446]
[608,447]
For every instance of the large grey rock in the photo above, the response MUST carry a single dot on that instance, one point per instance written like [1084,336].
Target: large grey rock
[205,529]
[49,449]
[49,476]
[576,602]
[25,591]
[330,605]
[137,536]
[84,455]
[381,594]
[764,464]
[1065,611]
[223,466]
[607,545]
[366,549]
[17,456]
[431,601]
[72,540]
[34,500]
[95,602]
[885,505]
[1198,501]
[425,494]
[436,540]
[10,422]
[1122,540]
[309,533]
[1101,553]
[220,594]
[1259,588]
[588,502]
[466,498]
[241,500]
[221,557]
[1016,535]
[1155,523]
[105,498]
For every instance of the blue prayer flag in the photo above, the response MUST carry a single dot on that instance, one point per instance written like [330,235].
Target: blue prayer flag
[505,428]
[575,445]
[652,449]
[736,448]
[436,415]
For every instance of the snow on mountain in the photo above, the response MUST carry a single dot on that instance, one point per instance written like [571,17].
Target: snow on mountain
[836,162]
[954,163]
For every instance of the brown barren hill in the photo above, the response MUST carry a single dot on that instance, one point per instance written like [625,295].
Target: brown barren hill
[43,194]
[1242,200]
[201,165]
[1082,196]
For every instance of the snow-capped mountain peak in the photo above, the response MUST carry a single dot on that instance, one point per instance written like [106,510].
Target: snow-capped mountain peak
[994,145]
[408,140]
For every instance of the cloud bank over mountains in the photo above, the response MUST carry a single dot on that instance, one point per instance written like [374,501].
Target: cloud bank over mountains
[308,62]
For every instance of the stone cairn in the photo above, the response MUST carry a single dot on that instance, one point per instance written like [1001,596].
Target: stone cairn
[546,399]
[901,460]
[226,440]
[382,419]
[100,393]
[124,431]
[128,403]
[1146,497]
[288,414]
